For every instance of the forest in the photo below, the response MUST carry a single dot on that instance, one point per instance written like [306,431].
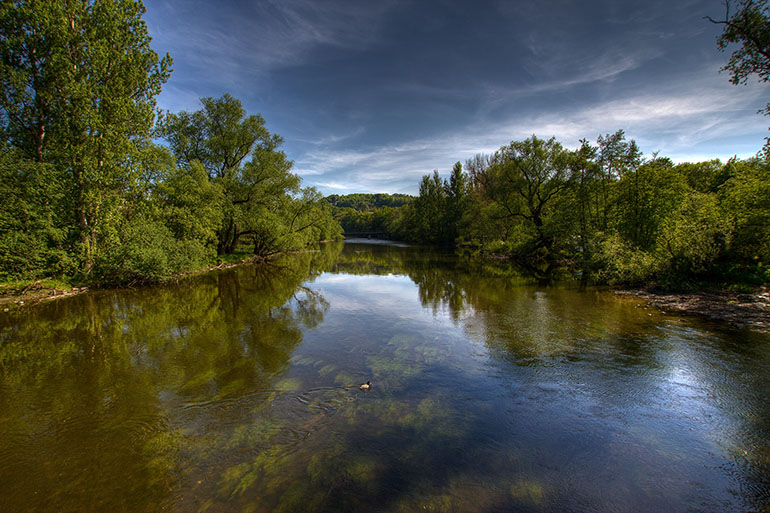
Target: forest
[100,186]
[602,212]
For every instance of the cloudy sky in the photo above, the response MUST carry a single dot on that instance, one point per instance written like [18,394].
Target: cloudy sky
[371,95]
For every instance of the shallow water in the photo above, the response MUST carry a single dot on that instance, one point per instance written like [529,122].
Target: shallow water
[238,392]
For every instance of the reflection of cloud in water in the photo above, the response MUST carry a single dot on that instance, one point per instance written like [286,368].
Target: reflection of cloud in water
[390,295]
[238,391]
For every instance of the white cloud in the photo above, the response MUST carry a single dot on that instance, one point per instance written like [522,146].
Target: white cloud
[699,123]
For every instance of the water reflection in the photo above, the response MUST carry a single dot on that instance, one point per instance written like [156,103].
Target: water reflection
[238,391]
[103,396]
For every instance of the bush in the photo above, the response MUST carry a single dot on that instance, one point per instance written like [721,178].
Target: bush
[146,252]
[621,263]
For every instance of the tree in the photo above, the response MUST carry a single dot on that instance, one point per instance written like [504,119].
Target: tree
[78,85]
[222,137]
[616,158]
[430,207]
[527,180]
[748,25]
[645,198]
[457,199]
[261,198]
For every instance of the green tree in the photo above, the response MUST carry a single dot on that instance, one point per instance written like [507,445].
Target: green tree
[238,153]
[78,86]
[616,158]
[694,236]
[261,199]
[746,23]
[746,200]
[190,204]
[457,200]
[645,198]
[526,181]
[430,208]
[586,189]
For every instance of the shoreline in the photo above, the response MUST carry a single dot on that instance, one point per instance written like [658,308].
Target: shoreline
[736,310]
[35,292]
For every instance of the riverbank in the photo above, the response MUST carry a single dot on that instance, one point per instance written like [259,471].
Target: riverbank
[737,310]
[30,292]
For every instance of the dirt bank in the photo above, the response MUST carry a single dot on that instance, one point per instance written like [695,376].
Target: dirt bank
[737,310]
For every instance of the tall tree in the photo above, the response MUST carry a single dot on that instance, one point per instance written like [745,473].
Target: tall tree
[430,207]
[527,181]
[222,137]
[78,85]
[456,201]
[261,197]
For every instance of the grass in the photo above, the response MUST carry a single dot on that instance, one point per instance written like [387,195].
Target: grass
[18,287]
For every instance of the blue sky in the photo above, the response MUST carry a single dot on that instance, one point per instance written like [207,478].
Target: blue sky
[369,96]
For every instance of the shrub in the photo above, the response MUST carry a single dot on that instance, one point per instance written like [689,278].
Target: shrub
[146,252]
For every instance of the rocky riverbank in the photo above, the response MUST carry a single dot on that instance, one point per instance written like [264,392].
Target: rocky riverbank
[737,310]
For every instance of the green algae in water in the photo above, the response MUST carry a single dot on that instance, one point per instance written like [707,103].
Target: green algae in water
[344,378]
[288,385]
[327,369]
[251,435]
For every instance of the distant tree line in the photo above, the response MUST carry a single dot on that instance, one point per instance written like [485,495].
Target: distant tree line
[87,192]
[360,213]
[605,212]
[602,211]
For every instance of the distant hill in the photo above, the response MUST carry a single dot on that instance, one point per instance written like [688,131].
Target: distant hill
[369,202]
[379,213]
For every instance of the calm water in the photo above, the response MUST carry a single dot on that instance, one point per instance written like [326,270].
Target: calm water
[238,392]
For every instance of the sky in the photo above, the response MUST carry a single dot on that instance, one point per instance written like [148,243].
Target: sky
[369,96]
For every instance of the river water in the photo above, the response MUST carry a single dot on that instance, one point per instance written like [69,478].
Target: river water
[238,391]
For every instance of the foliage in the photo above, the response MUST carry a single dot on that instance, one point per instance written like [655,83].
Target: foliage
[694,237]
[602,211]
[91,194]
[260,198]
[746,200]
[32,233]
[190,204]
[146,251]
[748,25]
[645,197]
[78,88]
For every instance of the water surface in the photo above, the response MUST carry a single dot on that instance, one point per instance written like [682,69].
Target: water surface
[238,392]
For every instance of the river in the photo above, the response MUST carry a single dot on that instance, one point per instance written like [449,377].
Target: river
[238,391]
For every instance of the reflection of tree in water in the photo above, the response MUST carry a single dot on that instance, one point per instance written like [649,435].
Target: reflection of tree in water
[194,395]
[94,387]
[623,357]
